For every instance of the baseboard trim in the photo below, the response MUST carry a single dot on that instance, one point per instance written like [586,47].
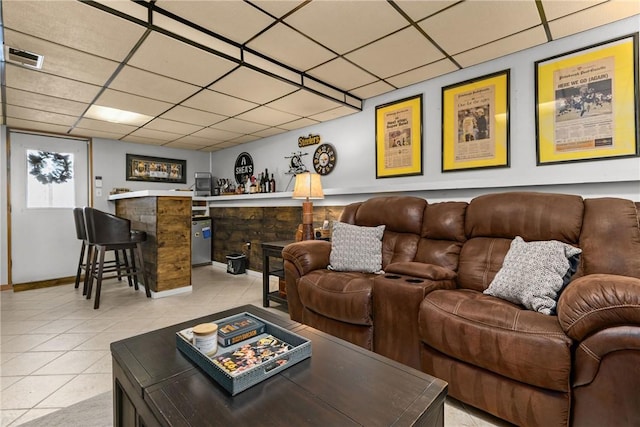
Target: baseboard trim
[171,292]
[19,287]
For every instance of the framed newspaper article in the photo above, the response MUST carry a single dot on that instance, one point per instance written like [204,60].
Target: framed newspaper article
[399,138]
[587,103]
[475,123]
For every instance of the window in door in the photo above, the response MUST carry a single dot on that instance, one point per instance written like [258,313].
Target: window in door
[50,179]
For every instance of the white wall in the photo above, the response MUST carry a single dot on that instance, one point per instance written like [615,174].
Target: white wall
[354,139]
[109,163]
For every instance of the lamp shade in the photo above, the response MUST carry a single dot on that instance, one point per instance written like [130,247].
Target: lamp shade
[308,186]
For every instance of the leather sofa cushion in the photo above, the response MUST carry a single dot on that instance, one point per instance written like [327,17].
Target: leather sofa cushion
[498,336]
[342,296]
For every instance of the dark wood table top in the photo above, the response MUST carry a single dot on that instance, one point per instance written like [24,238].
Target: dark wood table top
[340,384]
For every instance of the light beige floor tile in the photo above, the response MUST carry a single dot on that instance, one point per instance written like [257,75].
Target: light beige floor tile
[31,415]
[6,382]
[103,340]
[81,387]
[29,391]
[5,357]
[26,342]
[63,342]
[19,327]
[102,366]
[58,326]
[8,315]
[9,416]
[455,415]
[27,363]
[92,325]
[72,362]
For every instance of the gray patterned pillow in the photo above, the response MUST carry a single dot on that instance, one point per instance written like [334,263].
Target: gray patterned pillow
[534,273]
[355,248]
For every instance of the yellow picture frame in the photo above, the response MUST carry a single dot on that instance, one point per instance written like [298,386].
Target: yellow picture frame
[587,103]
[399,138]
[475,123]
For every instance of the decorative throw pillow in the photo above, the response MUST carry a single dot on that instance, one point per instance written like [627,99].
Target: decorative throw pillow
[355,248]
[534,273]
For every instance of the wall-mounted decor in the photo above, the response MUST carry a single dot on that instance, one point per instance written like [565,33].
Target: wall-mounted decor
[243,167]
[399,138]
[587,103]
[475,123]
[156,169]
[305,141]
[324,159]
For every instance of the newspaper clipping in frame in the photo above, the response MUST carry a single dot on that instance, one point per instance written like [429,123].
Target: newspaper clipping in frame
[398,153]
[584,107]
[475,129]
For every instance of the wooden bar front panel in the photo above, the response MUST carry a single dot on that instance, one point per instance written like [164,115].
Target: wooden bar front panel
[167,251]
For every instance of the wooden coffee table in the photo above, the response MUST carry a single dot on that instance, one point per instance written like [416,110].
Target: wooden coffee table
[339,385]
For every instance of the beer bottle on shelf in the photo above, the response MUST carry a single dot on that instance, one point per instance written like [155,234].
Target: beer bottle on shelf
[272,185]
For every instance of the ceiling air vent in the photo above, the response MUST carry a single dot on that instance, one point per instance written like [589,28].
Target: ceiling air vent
[22,57]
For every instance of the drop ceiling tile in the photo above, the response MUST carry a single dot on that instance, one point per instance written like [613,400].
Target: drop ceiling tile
[192,116]
[73,24]
[239,126]
[418,10]
[216,135]
[479,22]
[514,43]
[143,83]
[244,139]
[142,140]
[594,17]
[253,86]
[342,74]
[63,61]
[104,126]
[269,132]
[373,89]
[195,141]
[36,126]
[134,103]
[183,145]
[218,103]
[172,126]
[297,124]
[155,135]
[345,25]
[303,103]
[213,148]
[277,8]
[290,48]
[408,48]
[334,114]
[40,116]
[267,116]
[234,20]
[37,101]
[92,133]
[46,84]
[554,9]
[172,58]
[421,74]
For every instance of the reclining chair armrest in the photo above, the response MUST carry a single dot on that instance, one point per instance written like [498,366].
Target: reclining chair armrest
[598,301]
[301,258]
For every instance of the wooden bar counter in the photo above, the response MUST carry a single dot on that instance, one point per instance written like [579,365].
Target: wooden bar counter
[166,218]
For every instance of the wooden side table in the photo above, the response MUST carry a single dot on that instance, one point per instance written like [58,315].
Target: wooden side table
[272,249]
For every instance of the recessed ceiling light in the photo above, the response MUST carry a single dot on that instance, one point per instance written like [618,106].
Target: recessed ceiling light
[115,115]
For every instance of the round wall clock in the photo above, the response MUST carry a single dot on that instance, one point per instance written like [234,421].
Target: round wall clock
[324,159]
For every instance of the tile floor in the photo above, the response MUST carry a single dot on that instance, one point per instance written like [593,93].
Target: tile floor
[55,347]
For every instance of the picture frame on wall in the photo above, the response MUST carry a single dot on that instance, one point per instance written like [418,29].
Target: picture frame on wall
[155,169]
[475,123]
[399,138]
[587,103]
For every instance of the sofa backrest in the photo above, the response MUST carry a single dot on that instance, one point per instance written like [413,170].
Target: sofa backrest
[492,221]
[442,234]
[402,217]
[610,238]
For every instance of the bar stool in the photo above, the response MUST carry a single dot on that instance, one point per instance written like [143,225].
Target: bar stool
[107,232]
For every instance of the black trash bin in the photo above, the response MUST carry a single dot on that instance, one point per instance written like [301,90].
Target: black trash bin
[236,263]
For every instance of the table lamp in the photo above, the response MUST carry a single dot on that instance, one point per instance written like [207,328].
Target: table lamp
[307,186]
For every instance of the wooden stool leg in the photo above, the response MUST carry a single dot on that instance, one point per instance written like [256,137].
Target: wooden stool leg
[88,270]
[134,270]
[130,268]
[99,278]
[118,265]
[80,265]
[92,275]
[145,281]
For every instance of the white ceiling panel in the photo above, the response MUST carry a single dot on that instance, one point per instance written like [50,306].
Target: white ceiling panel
[345,25]
[253,86]
[172,58]
[73,24]
[144,83]
[479,22]
[291,48]
[408,48]
[201,89]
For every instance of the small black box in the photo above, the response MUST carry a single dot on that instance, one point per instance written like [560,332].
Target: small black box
[236,263]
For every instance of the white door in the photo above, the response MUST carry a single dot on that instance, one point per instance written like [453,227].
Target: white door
[49,177]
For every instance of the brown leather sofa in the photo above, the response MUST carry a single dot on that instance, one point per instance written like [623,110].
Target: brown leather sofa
[580,367]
